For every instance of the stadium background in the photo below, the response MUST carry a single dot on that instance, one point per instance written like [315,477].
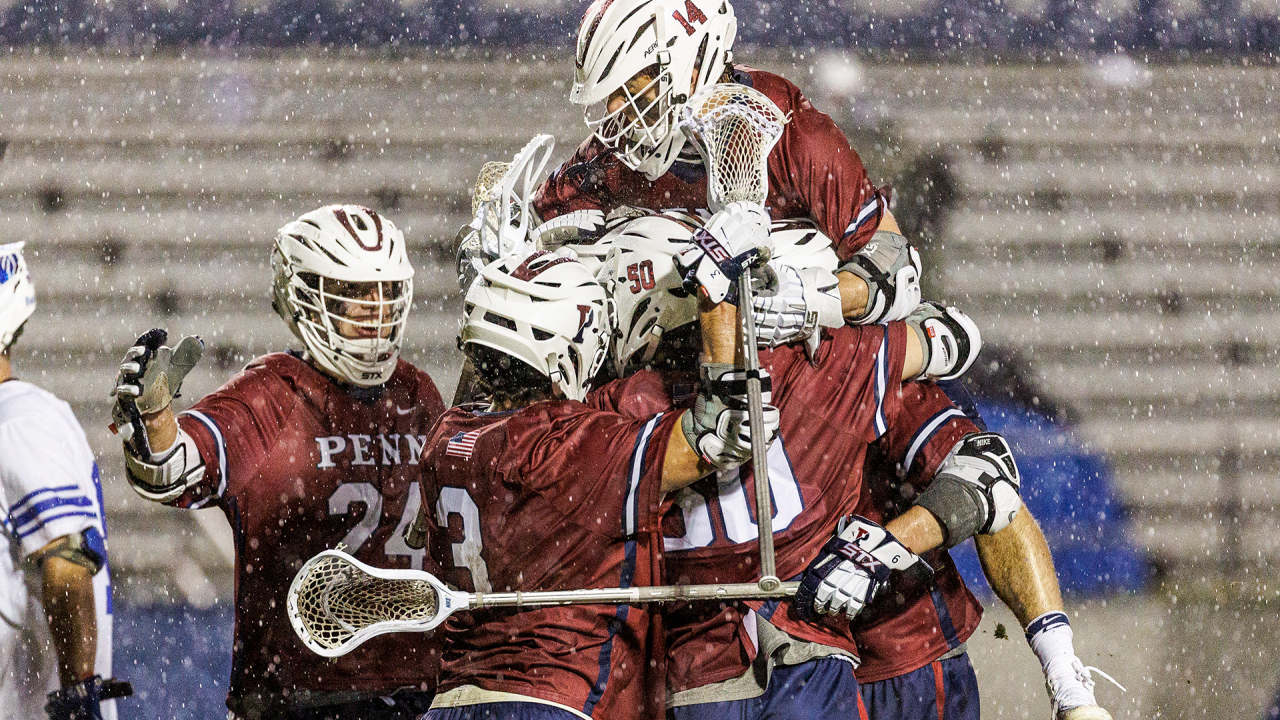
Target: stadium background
[1096,182]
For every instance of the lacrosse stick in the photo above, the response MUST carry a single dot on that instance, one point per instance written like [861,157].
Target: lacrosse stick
[337,602]
[502,197]
[734,127]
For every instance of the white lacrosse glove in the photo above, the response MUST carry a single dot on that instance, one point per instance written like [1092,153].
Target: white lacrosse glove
[718,426]
[891,269]
[733,240]
[850,570]
[804,301]
[150,377]
[949,339]
[580,227]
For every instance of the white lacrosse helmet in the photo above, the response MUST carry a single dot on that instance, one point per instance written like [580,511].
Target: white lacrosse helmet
[647,286]
[798,243]
[546,310]
[683,45]
[17,293]
[343,284]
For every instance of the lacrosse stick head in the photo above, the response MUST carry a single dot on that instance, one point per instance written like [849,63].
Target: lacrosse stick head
[336,602]
[734,127]
[502,197]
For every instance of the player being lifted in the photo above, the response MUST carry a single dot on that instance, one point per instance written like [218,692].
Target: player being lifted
[302,451]
[636,64]
[53,529]
[534,490]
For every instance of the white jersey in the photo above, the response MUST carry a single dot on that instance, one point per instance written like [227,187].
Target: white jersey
[48,488]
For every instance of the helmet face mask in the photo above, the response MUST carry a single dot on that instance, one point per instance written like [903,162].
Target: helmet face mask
[637,63]
[344,285]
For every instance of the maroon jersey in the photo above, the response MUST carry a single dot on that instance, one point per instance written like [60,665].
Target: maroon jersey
[831,411]
[911,628]
[555,496]
[812,173]
[298,466]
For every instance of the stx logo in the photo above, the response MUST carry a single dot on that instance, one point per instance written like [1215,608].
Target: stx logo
[365,450]
[859,556]
[711,247]
[695,16]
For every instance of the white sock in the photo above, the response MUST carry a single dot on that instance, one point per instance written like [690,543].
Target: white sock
[1068,682]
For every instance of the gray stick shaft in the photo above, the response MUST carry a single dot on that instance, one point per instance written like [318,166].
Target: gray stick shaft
[759,451]
[630,596]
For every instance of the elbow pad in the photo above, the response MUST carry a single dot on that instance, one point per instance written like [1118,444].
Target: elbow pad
[88,549]
[976,490]
[891,269]
[718,427]
[166,476]
[949,340]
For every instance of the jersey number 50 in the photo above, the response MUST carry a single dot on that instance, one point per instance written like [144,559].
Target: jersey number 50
[737,510]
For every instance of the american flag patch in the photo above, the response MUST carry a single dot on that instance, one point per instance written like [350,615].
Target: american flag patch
[463,444]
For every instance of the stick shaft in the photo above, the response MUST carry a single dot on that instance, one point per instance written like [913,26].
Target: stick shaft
[629,596]
[759,451]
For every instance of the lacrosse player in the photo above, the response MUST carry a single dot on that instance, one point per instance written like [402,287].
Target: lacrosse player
[913,641]
[836,402]
[637,63]
[533,490]
[914,663]
[303,451]
[55,533]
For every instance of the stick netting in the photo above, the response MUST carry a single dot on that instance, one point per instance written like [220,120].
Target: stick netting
[734,127]
[490,177]
[337,599]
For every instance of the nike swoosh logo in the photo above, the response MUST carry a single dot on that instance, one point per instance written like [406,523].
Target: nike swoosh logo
[403,411]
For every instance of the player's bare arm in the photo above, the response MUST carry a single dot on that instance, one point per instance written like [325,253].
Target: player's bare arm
[720,344]
[67,595]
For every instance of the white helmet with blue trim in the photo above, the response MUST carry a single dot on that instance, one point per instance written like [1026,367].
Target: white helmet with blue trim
[17,293]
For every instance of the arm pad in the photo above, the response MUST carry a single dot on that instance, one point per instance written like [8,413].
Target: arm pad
[976,490]
[167,475]
[891,269]
[87,549]
[949,340]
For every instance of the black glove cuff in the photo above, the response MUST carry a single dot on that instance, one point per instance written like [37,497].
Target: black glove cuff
[76,702]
